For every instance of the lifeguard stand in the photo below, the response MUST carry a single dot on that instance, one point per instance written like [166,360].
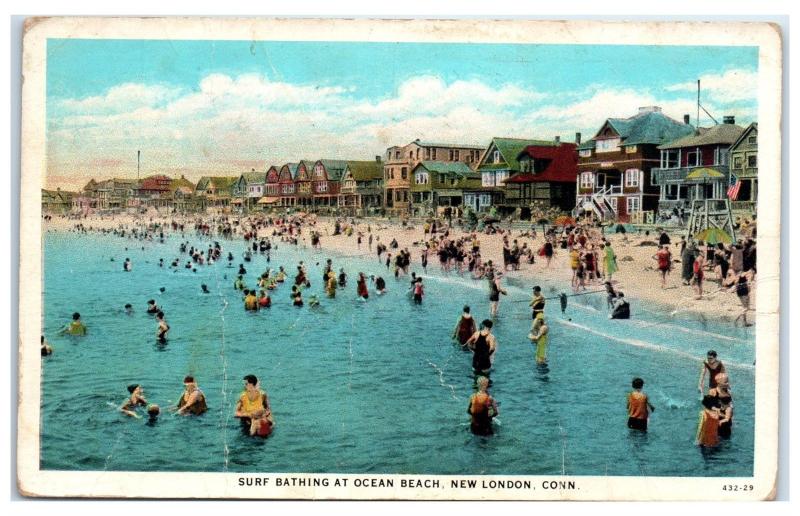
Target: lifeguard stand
[710,213]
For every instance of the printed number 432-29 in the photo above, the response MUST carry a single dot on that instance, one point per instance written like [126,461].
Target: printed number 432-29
[735,487]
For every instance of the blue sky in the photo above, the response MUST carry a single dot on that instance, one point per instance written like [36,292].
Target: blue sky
[198,107]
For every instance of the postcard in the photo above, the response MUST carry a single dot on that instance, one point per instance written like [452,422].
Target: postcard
[399,259]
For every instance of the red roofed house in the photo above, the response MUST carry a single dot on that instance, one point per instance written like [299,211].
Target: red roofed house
[547,177]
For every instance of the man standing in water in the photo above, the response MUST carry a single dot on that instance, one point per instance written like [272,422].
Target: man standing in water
[483,345]
[494,293]
[712,367]
[251,401]
[163,327]
[192,400]
[639,406]
[537,302]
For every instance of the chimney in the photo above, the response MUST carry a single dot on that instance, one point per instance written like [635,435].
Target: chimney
[558,140]
[729,119]
[577,138]
[686,119]
[378,158]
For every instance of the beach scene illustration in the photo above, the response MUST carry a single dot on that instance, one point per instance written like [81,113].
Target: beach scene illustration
[399,258]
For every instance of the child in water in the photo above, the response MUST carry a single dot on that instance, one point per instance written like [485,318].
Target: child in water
[153,411]
[260,425]
[639,406]
[135,399]
[76,327]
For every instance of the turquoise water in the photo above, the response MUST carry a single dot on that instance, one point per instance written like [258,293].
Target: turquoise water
[372,386]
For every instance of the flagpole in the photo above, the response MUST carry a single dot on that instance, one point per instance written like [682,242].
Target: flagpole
[138,162]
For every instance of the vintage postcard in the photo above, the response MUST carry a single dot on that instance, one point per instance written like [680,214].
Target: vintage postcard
[399,259]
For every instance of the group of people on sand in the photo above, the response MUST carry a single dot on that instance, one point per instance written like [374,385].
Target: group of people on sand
[716,404]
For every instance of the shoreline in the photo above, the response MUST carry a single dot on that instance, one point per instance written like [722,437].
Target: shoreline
[636,276]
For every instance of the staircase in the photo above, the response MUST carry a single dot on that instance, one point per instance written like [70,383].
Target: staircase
[600,204]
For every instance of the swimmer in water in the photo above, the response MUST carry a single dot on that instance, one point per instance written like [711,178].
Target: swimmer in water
[135,399]
[260,424]
[76,327]
[639,406]
[483,345]
[163,327]
[250,301]
[482,409]
[251,401]
[419,291]
[313,301]
[361,289]
[192,400]
[465,327]
[127,266]
[264,300]
[330,285]
[537,302]
[152,308]
[380,285]
[153,411]
[46,349]
[204,289]
[128,309]
[539,336]
[297,299]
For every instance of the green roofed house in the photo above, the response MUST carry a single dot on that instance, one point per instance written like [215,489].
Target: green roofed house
[436,184]
[614,180]
[498,163]
[744,169]
[215,192]
[56,201]
[362,186]
[249,188]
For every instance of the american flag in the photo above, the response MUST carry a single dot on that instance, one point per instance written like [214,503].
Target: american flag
[734,185]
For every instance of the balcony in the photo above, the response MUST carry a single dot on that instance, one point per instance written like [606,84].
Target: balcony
[662,176]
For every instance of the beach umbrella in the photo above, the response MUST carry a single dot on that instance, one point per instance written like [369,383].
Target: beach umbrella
[713,236]
[564,220]
[704,174]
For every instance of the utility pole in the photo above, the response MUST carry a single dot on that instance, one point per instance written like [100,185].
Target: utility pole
[698,105]
[138,162]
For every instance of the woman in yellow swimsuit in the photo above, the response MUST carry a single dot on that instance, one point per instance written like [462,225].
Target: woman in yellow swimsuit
[252,400]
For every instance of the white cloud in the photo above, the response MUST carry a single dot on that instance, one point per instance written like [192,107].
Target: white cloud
[227,121]
[732,86]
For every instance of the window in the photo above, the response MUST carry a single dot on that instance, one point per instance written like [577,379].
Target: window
[421,178]
[630,149]
[486,199]
[501,176]
[451,154]
[613,202]
[433,153]
[427,153]
[587,180]
[752,161]
[455,154]
[670,158]
[737,162]
[752,140]
[417,153]
[585,153]
[487,179]
[633,204]
[693,158]
[632,177]
[609,145]
[496,156]
[404,173]
[323,186]
[720,156]
[397,154]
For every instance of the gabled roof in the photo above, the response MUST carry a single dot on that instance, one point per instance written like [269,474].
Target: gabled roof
[291,167]
[334,167]
[561,164]
[181,182]
[254,177]
[747,130]
[365,170]
[455,168]
[647,127]
[509,150]
[219,182]
[720,134]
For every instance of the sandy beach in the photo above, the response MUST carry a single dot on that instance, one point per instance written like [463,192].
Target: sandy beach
[637,276]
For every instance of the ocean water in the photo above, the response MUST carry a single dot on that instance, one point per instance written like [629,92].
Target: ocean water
[373,386]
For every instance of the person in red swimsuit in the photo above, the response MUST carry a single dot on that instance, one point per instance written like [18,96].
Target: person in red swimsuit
[664,259]
[362,286]
[712,367]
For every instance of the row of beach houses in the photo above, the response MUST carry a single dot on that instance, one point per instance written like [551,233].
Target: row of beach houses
[647,164]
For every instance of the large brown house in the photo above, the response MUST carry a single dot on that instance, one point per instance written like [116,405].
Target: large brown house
[614,166]
[401,160]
